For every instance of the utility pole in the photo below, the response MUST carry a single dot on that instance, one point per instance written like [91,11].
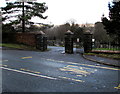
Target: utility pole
[23,20]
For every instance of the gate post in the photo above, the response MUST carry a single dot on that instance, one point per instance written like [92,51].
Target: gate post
[69,42]
[87,42]
[41,41]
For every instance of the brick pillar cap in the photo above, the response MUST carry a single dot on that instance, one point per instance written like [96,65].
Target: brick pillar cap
[69,32]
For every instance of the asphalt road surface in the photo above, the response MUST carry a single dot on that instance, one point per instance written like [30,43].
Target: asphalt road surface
[54,71]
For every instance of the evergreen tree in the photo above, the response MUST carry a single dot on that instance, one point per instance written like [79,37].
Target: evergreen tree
[112,26]
[20,12]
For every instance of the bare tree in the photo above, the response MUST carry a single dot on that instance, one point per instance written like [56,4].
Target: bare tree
[100,33]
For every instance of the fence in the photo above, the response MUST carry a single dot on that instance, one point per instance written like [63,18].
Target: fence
[105,46]
[56,43]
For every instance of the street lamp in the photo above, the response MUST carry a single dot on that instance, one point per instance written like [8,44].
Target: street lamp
[93,43]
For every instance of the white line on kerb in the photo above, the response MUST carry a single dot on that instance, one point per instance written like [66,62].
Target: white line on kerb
[28,73]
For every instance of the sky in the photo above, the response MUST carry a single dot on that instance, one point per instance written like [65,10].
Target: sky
[79,11]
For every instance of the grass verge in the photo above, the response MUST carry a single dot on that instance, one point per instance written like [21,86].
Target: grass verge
[113,56]
[20,46]
[109,49]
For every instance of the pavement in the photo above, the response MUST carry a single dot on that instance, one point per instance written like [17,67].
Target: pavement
[103,60]
[100,60]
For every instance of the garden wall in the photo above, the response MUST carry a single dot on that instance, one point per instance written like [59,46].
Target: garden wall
[22,38]
[26,38]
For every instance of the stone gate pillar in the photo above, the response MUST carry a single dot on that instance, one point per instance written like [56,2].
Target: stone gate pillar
[69,42]
[87,42]
[41,41]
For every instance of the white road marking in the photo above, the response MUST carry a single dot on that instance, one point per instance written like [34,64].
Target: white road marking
[3,65]
[43,76]
[28,73]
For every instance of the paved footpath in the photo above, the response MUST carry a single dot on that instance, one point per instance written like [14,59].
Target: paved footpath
[103,60]
[100,60]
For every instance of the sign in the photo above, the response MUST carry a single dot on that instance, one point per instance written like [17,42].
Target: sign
[78,40]
[93,40]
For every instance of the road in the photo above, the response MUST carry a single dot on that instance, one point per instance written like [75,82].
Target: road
[54,71]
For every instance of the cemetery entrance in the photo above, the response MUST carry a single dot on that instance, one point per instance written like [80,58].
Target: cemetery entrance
[70,45]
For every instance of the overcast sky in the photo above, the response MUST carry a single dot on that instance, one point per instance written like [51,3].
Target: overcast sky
[82,11]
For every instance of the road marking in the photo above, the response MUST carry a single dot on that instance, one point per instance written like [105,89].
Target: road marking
[77,80]
[29,70]
[37,72]
[117,87]
[43,76]
[3,65]
[79,75]
[100,67]
[3,60]
[74,63]
[26,57]
[61,61]
[77,70]
[22,69]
